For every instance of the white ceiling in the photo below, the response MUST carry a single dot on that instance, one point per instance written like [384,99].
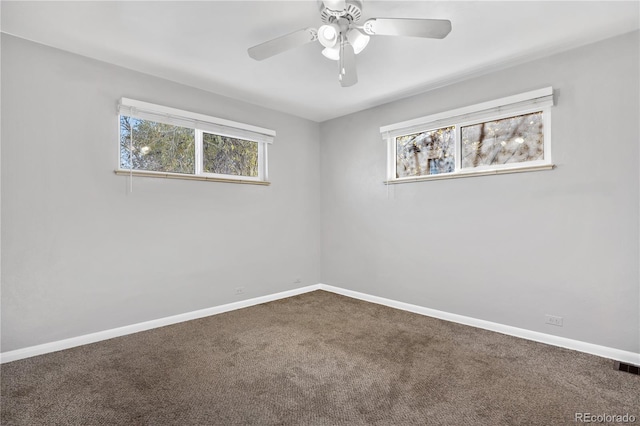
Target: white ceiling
[204,44]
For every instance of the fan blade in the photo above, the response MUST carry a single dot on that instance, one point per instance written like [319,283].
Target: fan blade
[429,28]
[347,74]
[278,45]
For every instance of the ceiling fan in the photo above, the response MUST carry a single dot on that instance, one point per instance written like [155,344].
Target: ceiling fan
[343,38]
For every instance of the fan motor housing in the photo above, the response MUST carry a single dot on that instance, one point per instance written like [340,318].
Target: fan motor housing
[352,11]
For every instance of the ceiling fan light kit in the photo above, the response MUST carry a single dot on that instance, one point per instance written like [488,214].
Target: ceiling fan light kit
[332,53]
[358,40]
[328,34]
[342,38]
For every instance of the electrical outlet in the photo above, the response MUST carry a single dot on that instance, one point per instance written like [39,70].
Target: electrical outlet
[553,320]
[240,290]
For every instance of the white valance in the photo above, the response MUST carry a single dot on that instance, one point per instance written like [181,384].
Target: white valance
[192,120]
[517,104]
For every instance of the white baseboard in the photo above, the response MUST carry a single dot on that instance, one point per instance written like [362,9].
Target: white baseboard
[590,348]
[563,342]
[147,325]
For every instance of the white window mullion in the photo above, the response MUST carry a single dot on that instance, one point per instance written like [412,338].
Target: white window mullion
[199,152]
[458,150]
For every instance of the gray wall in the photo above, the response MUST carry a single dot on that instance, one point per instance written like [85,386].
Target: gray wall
[80,254]
[508,248]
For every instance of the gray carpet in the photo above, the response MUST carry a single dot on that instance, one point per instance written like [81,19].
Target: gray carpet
[314,359]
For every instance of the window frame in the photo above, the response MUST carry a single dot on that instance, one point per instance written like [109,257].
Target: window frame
[201,124]
[525,103]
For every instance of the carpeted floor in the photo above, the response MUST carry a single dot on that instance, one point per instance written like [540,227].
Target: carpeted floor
[314,359]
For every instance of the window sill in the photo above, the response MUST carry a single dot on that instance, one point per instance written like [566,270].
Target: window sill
[470,174]
[144,173]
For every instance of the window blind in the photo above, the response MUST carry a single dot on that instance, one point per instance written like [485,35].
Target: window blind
[522,103]
[191,120]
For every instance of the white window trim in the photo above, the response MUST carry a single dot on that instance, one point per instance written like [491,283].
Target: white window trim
[201,124]
[524,103]
[208,177]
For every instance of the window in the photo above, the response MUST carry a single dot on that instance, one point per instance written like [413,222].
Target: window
[156,147]
[159,141]
[430,152]
[509,140]
[503,136]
